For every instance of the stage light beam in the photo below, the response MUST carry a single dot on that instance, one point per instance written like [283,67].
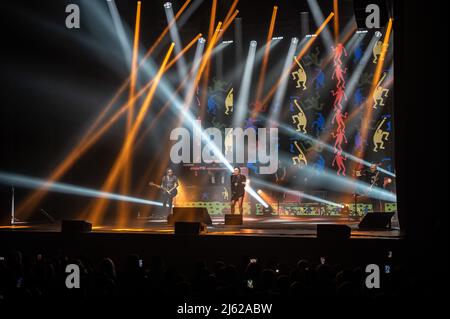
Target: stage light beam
[244,92]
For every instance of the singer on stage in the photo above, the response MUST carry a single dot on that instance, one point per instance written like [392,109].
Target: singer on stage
[237,190]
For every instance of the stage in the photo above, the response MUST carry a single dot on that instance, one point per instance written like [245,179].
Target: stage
[266,238]
[283,226]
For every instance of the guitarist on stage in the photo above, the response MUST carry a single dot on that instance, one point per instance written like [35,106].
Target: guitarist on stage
[169,184]
[374,178]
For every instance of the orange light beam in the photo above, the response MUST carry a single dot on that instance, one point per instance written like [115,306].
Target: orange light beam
[336,20]
[228,19]
[212,22]
[126,177]
[230,11]
[226,26]
[32,200]
[262,74]
[299,57]
[112,176]
[88,139]
[203,63]
[218,34]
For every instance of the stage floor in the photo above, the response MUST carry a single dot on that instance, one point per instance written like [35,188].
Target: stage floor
[284,226]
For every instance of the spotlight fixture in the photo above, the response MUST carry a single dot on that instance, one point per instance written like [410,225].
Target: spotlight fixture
[253,43]
[227,42]
[294,40]
[168,5]
[202,40]
[277,38]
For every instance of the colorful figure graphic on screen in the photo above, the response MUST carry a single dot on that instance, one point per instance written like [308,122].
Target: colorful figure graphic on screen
[339,161]
[339,118]
[300,119]
[250,123]
[358,54]
[299,75]
[359,143]
[380,136]
[253,168]
[380,93]
[319,164]
[387,163]
[388,123]
[339,74]
[212,105]
[377,48]
[318,124]
[300,158]
[313,103]
[339,139]
[229,102]
[320,79]
[339,95]
[338,51]
[291,103]
[313,58]
[359,98]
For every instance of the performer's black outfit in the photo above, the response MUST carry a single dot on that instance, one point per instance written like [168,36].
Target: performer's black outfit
[168,182]
[237,191]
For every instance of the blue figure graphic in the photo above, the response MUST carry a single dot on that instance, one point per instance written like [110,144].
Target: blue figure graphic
[319,164]
[291,104]
[250,123]
[318,124]
[388,123]
[212,105]
[359,98]
[320,79]
[252,167]
[388,160]
[291,145]
[359,143]
[358,54]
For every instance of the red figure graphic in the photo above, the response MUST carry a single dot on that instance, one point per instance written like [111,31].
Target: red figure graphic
[338,50]
[339,73]
[339,160]
[340,138]
[339,117]
[339,94]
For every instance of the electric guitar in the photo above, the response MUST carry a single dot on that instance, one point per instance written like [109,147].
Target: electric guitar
[172,192]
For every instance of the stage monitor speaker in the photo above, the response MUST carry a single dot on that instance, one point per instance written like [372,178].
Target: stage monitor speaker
[376,221]
[189,228]
[233,219]
[361,15]
[333,232]
[189,214]
[75,226]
